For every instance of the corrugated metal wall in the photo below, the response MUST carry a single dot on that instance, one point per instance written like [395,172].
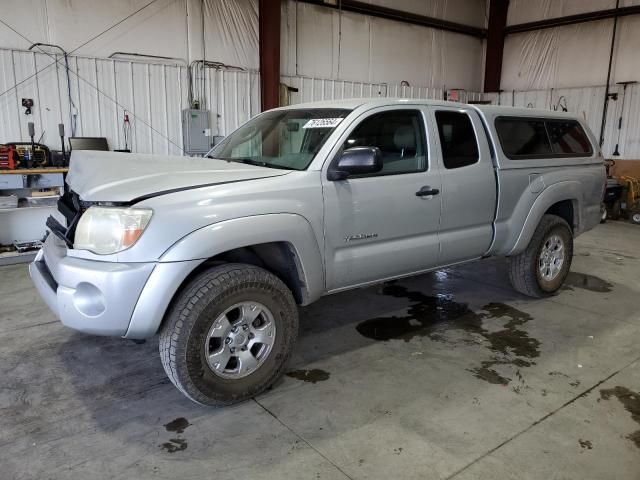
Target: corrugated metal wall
[232,96]
[153,94]
[314,89]
[588,102]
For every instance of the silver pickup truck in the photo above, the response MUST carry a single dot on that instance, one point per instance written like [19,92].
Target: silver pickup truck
[216,253]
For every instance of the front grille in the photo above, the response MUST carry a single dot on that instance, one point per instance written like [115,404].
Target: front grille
[71,208]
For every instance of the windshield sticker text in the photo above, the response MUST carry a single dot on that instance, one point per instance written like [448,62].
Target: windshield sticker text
[322,123]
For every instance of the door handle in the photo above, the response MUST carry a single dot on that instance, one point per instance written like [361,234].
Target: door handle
[427,192]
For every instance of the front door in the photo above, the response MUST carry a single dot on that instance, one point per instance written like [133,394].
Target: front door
[386,224]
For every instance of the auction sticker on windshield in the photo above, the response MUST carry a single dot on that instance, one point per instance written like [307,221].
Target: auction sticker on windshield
[322,123]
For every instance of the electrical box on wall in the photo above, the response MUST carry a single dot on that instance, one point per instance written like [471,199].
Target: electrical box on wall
[196,134]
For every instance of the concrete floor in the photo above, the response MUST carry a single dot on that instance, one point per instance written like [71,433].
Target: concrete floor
[448,375]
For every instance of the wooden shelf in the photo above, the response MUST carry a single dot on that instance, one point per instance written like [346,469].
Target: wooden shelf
[33,171]
[12,258]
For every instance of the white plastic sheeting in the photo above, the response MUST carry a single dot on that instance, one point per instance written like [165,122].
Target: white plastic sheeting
[326,43]
[231,32]
[571,55]
[467,12]
[159,29]
[524,11]
[588,103]
[101,90]
[172,28]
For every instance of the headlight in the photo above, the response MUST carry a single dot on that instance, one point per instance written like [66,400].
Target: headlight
[105,230]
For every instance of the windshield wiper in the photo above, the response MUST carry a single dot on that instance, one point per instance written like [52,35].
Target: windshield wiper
[258,163]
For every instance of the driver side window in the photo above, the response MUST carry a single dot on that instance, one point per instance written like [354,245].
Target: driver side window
[399,135]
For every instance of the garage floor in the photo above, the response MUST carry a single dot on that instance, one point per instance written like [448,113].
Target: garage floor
[448,375]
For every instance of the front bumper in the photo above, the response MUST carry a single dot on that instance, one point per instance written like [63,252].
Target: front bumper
[87,295]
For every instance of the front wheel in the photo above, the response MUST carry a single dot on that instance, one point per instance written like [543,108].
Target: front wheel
[229,334]
[542,268]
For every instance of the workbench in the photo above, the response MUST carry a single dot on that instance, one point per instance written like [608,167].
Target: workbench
[26,223]
[34,171]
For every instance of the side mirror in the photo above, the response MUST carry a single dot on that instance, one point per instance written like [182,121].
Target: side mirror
[356,161]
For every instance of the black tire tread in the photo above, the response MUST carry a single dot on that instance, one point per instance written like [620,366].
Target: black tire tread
[522,267]
[222,279]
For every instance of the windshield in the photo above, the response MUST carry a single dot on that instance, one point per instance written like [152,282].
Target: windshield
[286,139]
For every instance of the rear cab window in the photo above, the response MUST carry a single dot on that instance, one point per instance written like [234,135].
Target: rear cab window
[524,138]
[457,139]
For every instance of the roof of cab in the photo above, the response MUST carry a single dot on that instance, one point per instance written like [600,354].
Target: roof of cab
[489,110]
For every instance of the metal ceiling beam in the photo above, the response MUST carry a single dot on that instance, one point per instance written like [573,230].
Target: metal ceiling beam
[269,44]
[495,45]
[399,15]
[573,19]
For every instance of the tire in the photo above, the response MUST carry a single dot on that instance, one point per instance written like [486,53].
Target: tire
[634,216]
[603,213]
[229,296]
[525,268]
[616,210]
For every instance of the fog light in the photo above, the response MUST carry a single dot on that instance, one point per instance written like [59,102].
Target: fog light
[88,300]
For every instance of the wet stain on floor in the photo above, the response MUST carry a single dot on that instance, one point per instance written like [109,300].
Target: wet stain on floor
[314,375]
[175,445]
[585,444]
[432,316]
[586,282]
[630,400]
[179,425]
[573,383]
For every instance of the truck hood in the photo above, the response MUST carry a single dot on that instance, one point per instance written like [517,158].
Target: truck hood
[125,177]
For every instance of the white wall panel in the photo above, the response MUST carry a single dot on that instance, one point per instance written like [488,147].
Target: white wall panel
[315,42]
[322,42]
[626,66]
[159,29]
[356,52]
[570,55]
[557,57]
[172,28]
[231,32]
[407,57]
[29,17]
[630,132]
[101,90]
[467,12]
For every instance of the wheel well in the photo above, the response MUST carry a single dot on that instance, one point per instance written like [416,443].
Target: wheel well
[564,209]
[279,258]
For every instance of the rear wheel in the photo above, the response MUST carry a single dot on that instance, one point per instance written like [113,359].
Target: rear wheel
[229,334]
[616,210]
[542,268]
